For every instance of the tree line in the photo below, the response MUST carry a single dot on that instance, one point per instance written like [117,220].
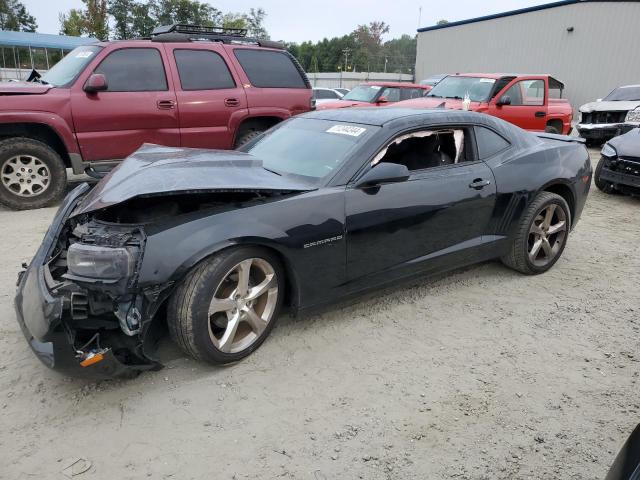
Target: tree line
[14,16]
[125,19]
[363,50]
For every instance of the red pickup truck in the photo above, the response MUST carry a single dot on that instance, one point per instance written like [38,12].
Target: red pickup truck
[530,101]
[187,86]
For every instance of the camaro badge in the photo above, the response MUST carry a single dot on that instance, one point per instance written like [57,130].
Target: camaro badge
[322,242]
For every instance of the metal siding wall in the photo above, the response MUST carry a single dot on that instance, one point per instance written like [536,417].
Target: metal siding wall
[600,54]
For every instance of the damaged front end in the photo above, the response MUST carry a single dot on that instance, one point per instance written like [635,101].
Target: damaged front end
[78,302]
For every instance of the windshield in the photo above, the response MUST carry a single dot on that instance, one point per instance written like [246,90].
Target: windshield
[63,73]
[630,93]
[477,88]
[308,148]
[363,93]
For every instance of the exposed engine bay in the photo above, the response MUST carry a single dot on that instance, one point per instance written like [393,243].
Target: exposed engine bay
[94,267]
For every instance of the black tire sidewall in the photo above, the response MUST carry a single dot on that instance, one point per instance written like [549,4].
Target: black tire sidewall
[204,293]
[558,200]
[55,191]
[600,184]
[552,129]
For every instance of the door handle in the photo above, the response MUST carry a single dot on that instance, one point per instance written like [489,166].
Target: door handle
[479,184]
[541,114]
[231,102]
[166,104]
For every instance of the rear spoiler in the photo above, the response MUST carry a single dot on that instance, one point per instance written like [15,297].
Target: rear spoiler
[560,138]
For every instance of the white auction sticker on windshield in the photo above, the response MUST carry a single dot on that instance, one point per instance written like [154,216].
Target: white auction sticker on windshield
[84,54]
[347,130]
[487,80]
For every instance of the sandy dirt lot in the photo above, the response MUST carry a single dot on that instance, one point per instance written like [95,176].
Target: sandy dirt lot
[482,374]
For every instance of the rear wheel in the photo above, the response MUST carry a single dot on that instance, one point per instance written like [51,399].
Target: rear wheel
[32,174]
[541,236]
[228,305]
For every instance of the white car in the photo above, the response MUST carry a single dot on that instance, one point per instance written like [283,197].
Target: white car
[605,118]
[323,95]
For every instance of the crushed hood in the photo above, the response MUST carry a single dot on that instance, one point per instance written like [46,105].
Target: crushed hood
[156,170]
[23,88]
[627,145]
[617,106]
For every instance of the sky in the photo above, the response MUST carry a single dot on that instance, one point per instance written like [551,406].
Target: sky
[297,21]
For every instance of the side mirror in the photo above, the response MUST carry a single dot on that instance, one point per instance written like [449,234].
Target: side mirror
[383,100]
[504,100]
[97,82]
[627,463]
[384,173]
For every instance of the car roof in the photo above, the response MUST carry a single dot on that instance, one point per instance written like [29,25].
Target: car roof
[379,116]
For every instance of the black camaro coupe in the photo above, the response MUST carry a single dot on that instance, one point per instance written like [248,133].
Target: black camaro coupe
[323,205]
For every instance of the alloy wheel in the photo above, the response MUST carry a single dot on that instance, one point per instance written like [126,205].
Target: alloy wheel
[243,305]
[25,175]
[547,235]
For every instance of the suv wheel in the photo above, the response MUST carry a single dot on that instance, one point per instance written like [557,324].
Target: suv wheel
[247,136]
[32,174]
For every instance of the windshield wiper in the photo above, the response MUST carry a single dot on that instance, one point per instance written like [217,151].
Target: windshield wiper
[272,171]
[455,98]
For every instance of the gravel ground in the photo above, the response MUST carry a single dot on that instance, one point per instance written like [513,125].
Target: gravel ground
[481,374]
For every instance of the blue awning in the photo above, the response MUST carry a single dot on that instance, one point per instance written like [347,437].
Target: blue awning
[26,39]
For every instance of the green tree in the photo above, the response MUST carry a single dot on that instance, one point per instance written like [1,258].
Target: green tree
[442,22]
[166,12]
[72,23]
[142,24]
[14,16]
[122,13]
[97,19]
[255,23]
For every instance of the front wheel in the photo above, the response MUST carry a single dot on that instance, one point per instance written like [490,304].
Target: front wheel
[602,185]
[227,306]
[32,174]
[541,236]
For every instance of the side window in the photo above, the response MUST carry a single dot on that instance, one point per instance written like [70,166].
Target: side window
[202,70]
[134,70]
[489,142]
[428,149]
[323,94]
[527,92]
[391,94]
[269,69]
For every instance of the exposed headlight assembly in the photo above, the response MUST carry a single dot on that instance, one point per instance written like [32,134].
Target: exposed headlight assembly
[633,116]
[100,263]
[608,151]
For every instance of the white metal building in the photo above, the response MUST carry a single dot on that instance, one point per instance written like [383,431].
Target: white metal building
[592,46]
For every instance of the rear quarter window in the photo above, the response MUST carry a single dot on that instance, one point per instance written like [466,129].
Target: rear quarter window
[269,69]
[489,142]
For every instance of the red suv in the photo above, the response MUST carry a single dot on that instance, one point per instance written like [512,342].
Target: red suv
[187,86]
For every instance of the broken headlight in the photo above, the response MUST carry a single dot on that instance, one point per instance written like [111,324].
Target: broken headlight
[608,151]
[633,116]
[105,263]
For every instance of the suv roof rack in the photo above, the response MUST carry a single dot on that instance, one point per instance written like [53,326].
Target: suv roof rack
[182,32]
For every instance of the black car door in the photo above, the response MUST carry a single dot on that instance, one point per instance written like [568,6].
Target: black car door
[434,218]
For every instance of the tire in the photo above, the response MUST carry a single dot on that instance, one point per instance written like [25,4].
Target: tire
[28,160]
[519,257]
[247,136]
[552,129]
[202,334]
[602,185]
